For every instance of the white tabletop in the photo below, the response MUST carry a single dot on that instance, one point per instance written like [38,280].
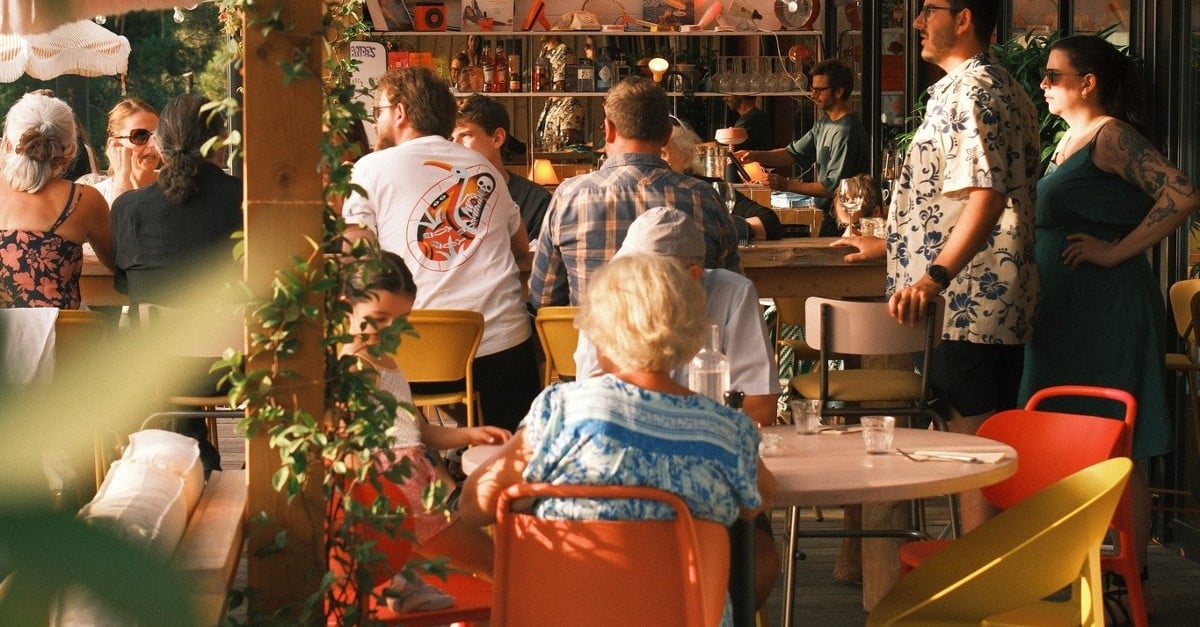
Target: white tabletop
[834,469]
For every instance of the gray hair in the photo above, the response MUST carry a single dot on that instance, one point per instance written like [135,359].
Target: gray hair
[39,138]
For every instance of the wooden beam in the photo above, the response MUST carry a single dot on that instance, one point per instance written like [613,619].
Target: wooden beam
[282,132]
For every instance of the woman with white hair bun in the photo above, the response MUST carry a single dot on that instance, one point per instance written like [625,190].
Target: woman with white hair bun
[45,219]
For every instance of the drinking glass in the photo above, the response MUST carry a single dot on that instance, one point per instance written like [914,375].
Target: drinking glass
[755,82]
[850,197]
[726,193]
[741,80]
[878,433]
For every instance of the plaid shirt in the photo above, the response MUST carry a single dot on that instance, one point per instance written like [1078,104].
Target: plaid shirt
[590,214]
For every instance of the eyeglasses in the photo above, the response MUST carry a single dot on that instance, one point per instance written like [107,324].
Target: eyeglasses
[376,109]
[1053,76]
[817,90]
[137,137]
[675,121]
[927,10]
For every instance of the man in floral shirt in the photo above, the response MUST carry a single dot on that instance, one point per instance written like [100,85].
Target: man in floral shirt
[961,222]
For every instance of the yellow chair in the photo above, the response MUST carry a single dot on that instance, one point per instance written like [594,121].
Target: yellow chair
[593,573]
[790,312]
[1185,306]
[1002,572]
[197,334]
[443,352]
[864,328]
[76,332]
[558,336]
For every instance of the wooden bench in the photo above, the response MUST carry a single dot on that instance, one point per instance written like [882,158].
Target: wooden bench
[211,546]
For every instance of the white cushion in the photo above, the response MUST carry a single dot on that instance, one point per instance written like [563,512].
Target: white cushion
[174,453]
[143,503]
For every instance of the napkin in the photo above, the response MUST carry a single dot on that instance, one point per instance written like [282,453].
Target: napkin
[839,430]
[983,457]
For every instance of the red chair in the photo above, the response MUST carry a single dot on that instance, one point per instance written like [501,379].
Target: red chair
[1050,446]
[597,573]
[472,595]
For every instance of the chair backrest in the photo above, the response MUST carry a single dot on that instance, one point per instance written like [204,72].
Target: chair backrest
[195,332]
[1036,548]
[604,572]
[1052,445]
[444,347]
[1181,294]
[865,328]
[789,311]
[558,336]
[75,332]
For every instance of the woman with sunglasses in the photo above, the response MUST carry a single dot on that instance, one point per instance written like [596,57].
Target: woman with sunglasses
[133,160]
[1107,197]
[44,218]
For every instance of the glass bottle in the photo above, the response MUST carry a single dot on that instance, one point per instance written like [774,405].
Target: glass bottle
[708,374]
[604,70]
[514,71]
[500,73]
[489,66]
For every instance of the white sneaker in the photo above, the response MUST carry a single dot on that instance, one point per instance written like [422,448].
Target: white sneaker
[405,596]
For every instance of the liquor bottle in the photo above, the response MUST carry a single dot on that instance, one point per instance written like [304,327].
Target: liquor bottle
[514,71]
[501,71]
[489,66]
[542,76]
[708,374]
[604,70]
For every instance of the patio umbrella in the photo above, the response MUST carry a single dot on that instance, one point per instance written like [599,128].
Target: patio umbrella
[83,48]
[38,16]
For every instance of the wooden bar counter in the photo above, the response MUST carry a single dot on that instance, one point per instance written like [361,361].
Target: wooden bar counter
[803,267]
[96,285]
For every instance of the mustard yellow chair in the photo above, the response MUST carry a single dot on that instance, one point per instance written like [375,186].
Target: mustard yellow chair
[1185,305]
[557,333]
[790,312]
[1001,573]
[443,352]
[598,573]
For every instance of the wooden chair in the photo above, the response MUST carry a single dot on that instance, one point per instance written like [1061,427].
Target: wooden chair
[1050,446]
[558,336]
[76,333]
[589,573]
[864,328]
[790,312]
[196,334]
[1000,573]
[443,352]
[472,595]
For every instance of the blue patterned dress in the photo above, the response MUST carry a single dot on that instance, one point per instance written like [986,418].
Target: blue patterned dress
[604,431]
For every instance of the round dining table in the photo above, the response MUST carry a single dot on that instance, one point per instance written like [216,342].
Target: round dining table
[832,467]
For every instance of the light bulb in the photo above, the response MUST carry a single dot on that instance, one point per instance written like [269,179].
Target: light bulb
[178,15]
[100,19]
[793,6]
[658,66]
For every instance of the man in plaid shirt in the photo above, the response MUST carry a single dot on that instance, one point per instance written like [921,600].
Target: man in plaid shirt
[590,214]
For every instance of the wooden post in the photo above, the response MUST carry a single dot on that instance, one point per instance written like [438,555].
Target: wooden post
[282,131]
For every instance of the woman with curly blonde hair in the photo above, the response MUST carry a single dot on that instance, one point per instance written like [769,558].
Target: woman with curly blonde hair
[45,219]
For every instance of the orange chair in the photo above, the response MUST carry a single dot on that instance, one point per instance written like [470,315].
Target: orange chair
[472,596]
[594,573]
[1050,446]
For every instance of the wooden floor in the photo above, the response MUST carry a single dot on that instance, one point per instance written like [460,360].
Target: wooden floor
[1174,583]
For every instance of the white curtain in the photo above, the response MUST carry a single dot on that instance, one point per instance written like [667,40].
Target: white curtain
[38,16]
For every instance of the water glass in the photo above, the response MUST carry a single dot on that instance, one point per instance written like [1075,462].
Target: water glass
[806,415]
[878,432]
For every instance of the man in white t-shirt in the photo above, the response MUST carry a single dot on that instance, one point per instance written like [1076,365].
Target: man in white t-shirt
[446,211]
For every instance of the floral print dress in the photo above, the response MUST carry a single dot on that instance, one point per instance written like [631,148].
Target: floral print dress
[41,268]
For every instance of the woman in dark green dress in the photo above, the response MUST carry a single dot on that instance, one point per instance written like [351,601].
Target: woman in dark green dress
[1106,198]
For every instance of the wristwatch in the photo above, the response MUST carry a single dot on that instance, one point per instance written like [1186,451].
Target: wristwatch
[939,275]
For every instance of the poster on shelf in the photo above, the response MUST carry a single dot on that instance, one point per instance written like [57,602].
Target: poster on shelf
[487,15]
[606,11]
[372,64]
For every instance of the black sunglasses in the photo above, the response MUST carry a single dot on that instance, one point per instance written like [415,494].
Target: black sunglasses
[137,137]
[1053,76]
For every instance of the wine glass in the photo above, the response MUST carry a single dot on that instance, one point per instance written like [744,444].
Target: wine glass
[850,199]
[726,193]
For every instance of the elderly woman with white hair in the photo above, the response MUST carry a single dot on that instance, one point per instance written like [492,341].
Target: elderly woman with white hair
[633,425]
[45,219]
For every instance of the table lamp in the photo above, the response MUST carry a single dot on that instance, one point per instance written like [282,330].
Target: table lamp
[542,172]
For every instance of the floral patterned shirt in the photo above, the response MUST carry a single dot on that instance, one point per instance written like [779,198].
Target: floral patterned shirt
[980,131]
[41,268]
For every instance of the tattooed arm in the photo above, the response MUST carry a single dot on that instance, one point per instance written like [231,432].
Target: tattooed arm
[1122,151]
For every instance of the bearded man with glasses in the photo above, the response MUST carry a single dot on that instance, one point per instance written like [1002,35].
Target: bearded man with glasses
[836,146]
[962,218]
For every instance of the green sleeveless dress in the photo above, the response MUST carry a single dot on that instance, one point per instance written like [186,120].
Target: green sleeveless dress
[1097,326]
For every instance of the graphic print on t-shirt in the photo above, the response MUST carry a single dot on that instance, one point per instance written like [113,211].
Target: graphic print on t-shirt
[455,207]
